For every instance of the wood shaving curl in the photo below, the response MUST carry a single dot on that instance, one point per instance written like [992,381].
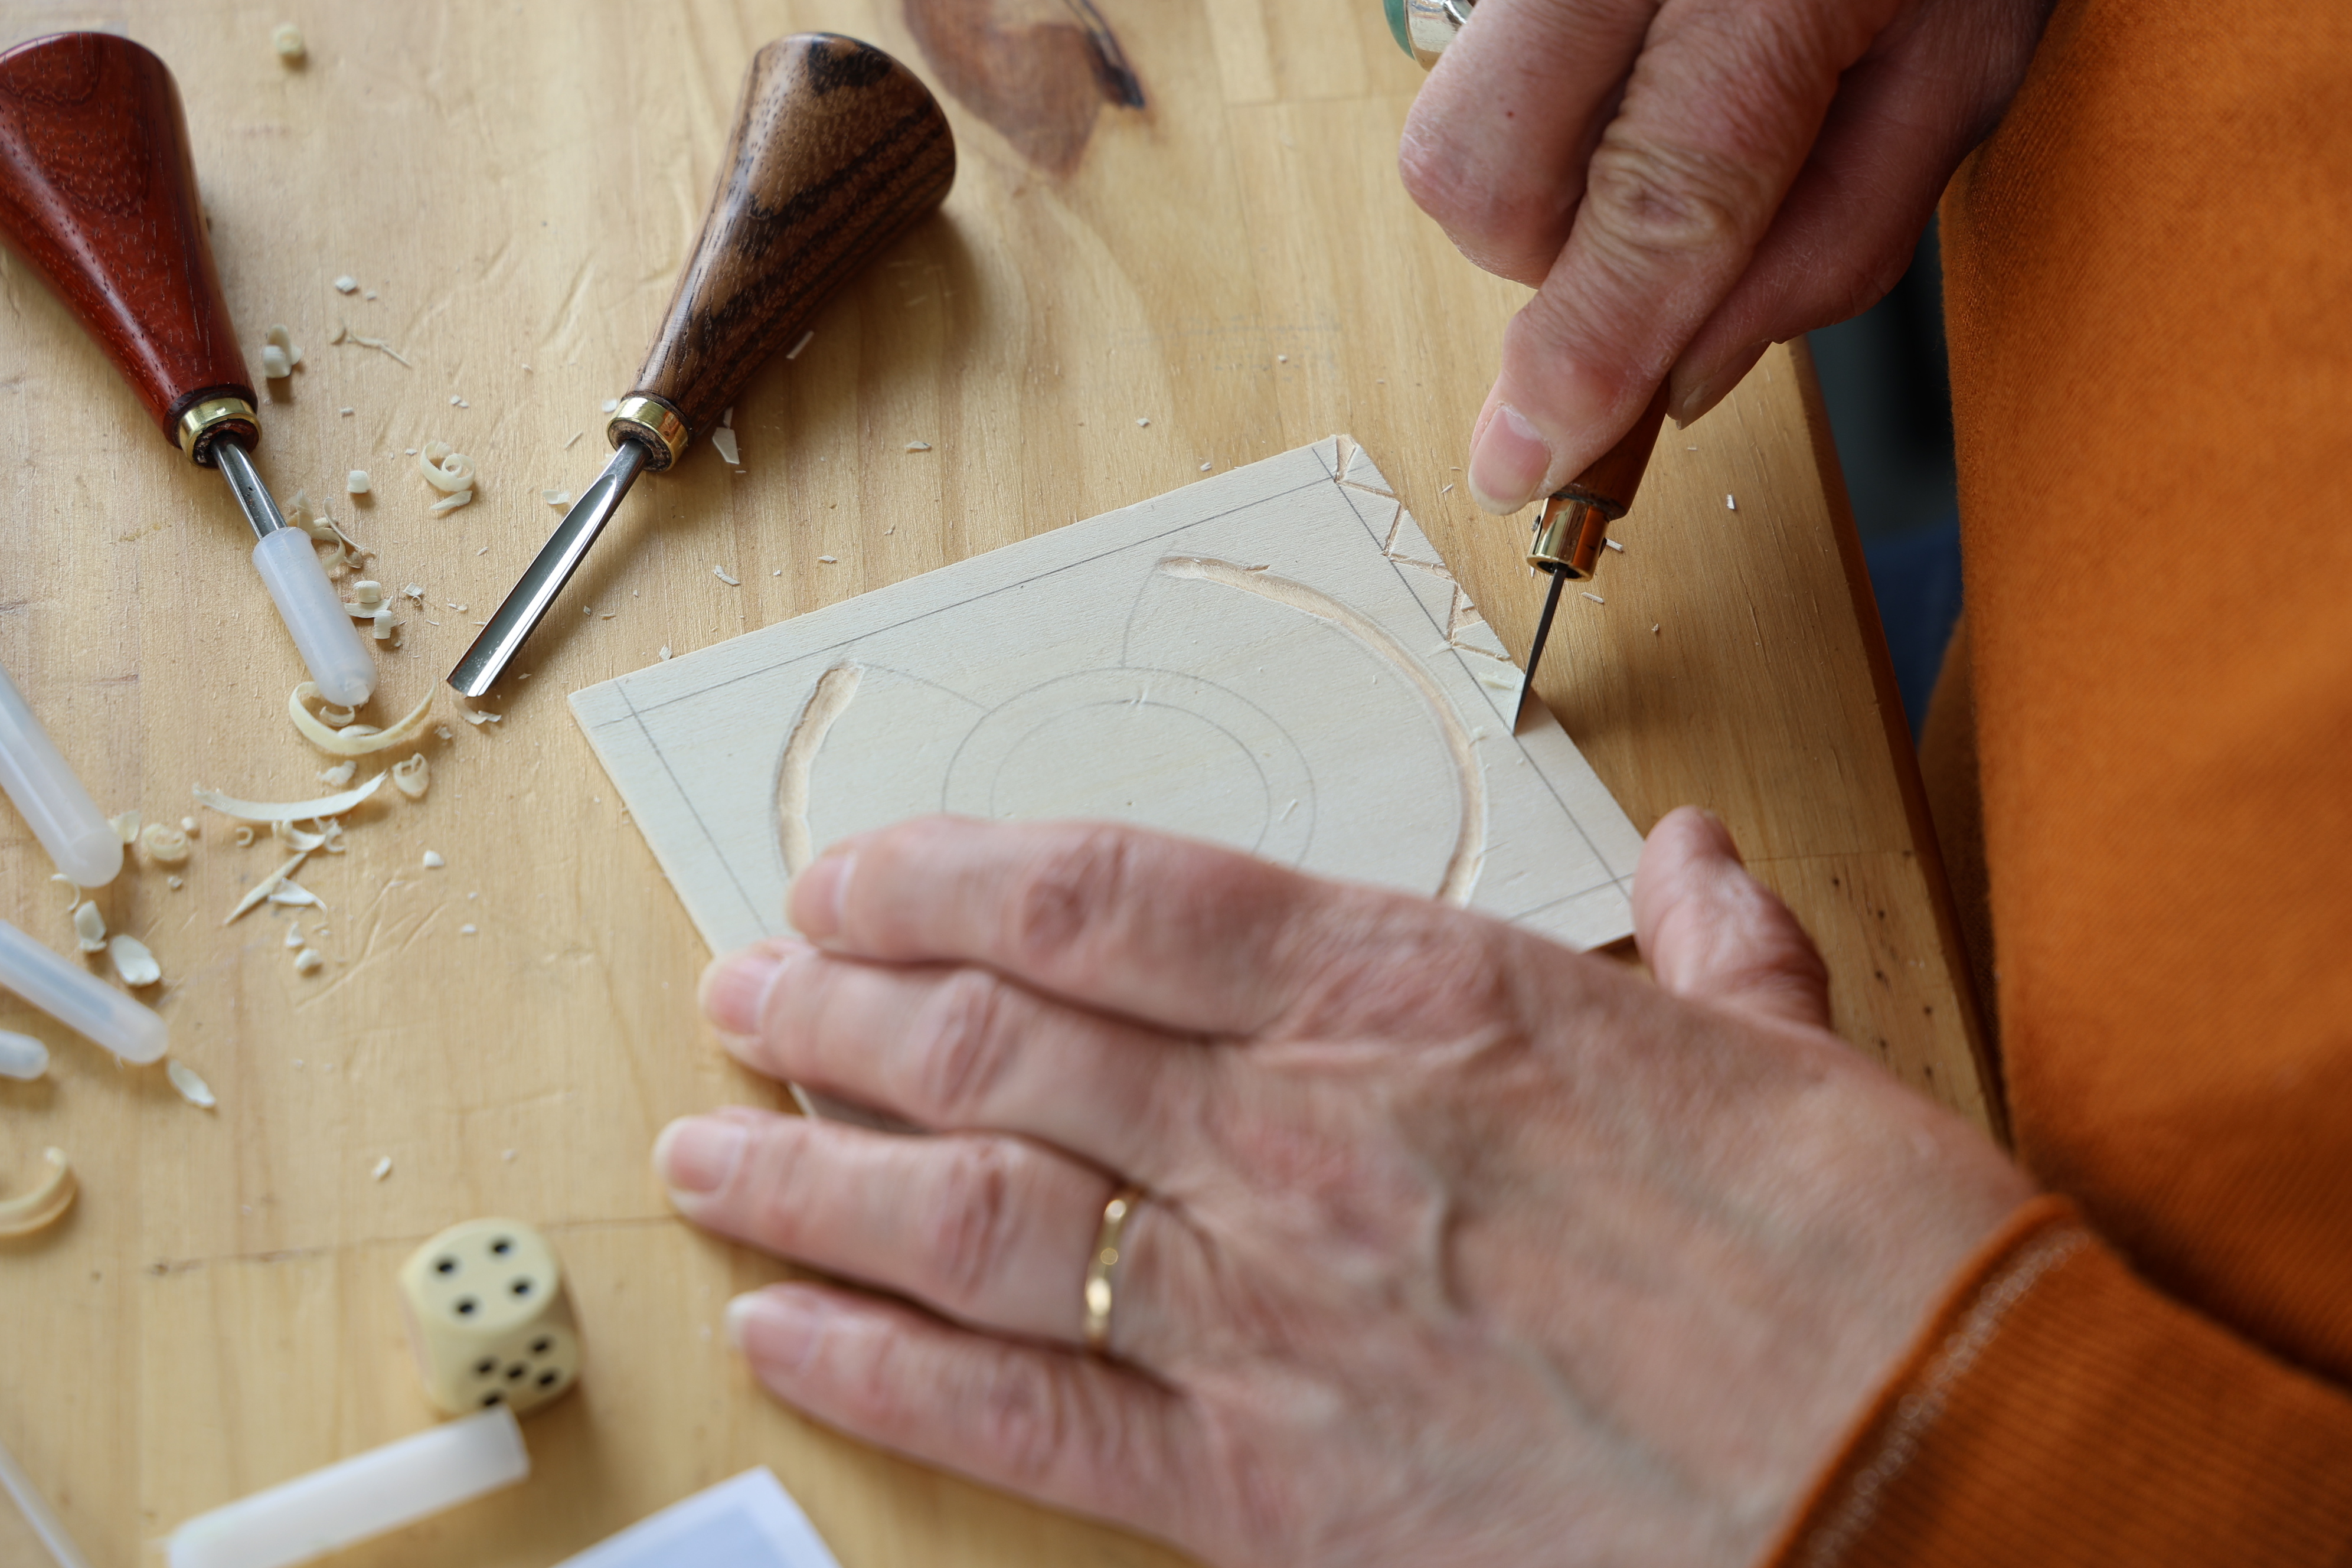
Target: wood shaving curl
[446,469]
[164,844]
[344,334]
[262,891]
[26,1214]
[133,962]
[272,811]
[359,740]
[192,1088]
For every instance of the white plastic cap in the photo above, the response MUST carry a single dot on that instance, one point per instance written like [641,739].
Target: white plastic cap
[320,627]
[365,1495]
[52,799]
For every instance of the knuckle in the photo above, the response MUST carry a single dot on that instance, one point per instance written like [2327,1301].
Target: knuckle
[1658,200]
[880,1387]
[1396,966]
[770,1185]
[1059,899]
[1503,220]
[1428,170]
[1432,174]
[963,1048]
[971,1213]
[1024,1417]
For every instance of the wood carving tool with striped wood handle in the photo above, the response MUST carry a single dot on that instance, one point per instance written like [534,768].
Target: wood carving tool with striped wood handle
[837,151]
[1572,528]
[98,192]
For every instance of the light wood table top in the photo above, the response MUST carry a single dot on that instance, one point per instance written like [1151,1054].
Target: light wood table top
[518,184]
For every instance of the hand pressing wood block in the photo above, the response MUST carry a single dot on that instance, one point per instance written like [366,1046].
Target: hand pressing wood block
[489,1318]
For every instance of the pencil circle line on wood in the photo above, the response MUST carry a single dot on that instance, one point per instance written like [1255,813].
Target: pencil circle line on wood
[1071,746]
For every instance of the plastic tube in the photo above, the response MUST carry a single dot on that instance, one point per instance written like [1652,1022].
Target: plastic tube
[364,1495]
[315,617]
[78,999]
[55,805]
[38,1513]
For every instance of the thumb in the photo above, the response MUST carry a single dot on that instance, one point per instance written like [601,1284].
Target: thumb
[1711,933]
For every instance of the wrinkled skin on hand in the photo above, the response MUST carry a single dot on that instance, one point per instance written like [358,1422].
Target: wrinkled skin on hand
[1685,181]
[1459,1246]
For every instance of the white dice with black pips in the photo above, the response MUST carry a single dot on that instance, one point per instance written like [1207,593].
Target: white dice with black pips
[489,1318]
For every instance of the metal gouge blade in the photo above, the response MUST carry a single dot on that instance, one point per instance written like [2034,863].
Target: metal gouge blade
[1534,653]
[837,151]
[526,605]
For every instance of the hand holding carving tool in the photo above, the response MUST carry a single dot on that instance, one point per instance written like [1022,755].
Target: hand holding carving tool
[98,192]
[1573,526]
[837,151]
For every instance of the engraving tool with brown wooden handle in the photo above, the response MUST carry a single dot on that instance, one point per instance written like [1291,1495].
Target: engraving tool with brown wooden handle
[837,151]
[1572,529]
[97,194]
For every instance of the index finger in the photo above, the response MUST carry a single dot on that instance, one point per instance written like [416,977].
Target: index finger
[1495,143]
[1717,118]
[1166,931]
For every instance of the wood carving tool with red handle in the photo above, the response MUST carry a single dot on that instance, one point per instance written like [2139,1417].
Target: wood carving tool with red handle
[98,192]
[837,151]
[1572,529]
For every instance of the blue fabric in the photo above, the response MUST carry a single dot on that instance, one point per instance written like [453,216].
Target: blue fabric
[1916,576]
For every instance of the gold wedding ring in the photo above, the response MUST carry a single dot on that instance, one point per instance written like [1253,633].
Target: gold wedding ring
[1104,1264]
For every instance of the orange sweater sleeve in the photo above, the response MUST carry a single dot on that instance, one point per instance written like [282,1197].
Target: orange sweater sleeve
[2149,291]
[2059,1411]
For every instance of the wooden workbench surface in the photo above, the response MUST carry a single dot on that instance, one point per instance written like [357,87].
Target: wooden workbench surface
[517,185]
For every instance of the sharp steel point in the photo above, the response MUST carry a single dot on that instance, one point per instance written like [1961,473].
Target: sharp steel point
[1534,653]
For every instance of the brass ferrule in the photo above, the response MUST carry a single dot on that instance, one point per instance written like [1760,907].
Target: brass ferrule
[1570,534]
[653,423]
[208,421]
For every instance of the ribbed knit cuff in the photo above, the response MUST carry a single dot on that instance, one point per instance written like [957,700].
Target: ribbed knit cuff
[2059,1411]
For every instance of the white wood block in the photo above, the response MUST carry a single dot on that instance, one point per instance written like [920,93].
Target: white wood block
[1269,659]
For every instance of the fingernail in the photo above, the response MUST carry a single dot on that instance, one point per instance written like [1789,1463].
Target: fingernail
[734,989]
[817,895]
[698,1154]
[1696,400]
[776,1329]
[1729,844]
[1508,461]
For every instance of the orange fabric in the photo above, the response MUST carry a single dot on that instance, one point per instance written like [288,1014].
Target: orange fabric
[2149,289]
[2058,1412]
